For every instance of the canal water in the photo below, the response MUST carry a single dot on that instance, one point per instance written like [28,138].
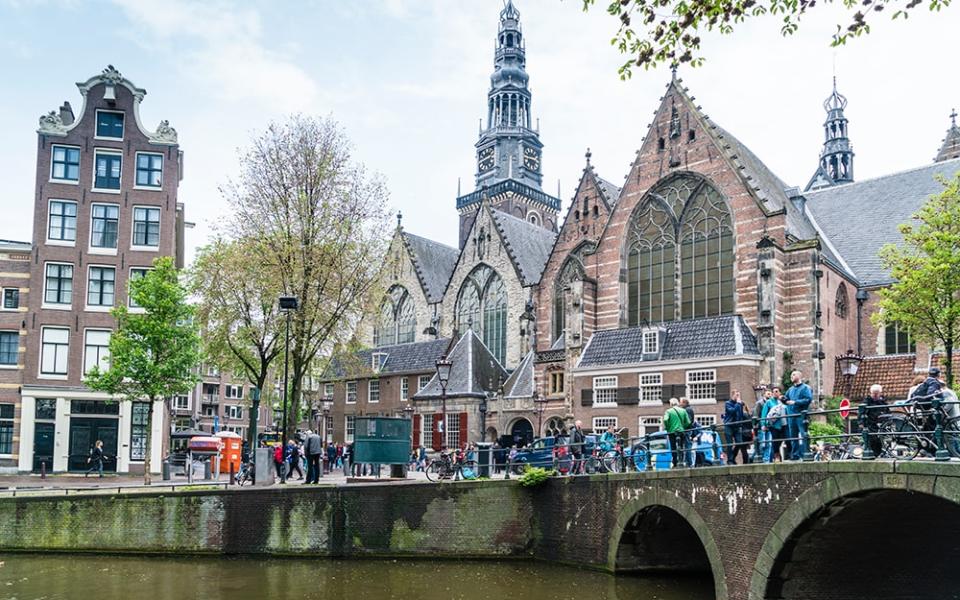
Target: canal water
[88,577]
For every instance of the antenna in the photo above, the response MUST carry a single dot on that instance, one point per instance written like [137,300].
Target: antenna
[458,187]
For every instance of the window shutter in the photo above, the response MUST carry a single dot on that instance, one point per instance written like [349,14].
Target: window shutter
[464,432]
[723,391]
[666,392]
[416,431]
[679,389]
[437,438]
[628,395]
[586,397]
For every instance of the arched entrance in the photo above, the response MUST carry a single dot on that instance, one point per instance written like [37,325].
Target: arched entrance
[907,540]
[522,432]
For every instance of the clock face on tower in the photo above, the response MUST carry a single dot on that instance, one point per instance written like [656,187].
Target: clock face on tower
[485,159]
[531,159]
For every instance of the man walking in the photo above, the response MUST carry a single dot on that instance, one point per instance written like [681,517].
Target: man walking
[313,448]
[799,397]
[577,440]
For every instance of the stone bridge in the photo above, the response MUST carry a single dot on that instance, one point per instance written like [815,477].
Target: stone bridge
[838,531]
[843,530]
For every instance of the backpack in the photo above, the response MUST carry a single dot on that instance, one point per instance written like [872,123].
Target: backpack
[278,454]
[778,411]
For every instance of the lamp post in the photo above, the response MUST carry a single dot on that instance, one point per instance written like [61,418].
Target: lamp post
[483,416]
[443,376]
[541,404]
[326,413]
[849,365]
[288,304]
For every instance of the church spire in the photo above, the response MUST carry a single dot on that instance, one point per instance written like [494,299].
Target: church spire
[836,158]
[951,143]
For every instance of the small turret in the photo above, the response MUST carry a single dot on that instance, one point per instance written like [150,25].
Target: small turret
[836,158]
[951,142]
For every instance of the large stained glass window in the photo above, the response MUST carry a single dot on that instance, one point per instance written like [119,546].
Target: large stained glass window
[482,306]
[572,270]
[397,322]
[684,213]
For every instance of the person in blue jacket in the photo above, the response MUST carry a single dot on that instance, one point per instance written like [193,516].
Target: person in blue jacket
[733,428]
[799,397]
[773,425]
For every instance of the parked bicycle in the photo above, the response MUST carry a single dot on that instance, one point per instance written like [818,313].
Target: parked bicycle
[245,475]
[445,467]
[905,434]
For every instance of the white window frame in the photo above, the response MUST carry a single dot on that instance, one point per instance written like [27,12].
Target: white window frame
[350,391]
[76,181]
[102,360]
[423,381]
[233,392]
[328,390]
[58,305]
[115,152]
[234,411]
[96,123]
[3,298]
[133,227]
[12,421]
[104,250]
[66,357]
[649,422]
[426,433]
[701,377]
[130,303]
[404,389]
[136,171]
[651,342]
[452,435]
[606,385]
[705,420]
[213,371]
[349,428]
[600,424]
[76,223]
[100,307]
[371,385]
[210,410]
[178,405]
[650,384]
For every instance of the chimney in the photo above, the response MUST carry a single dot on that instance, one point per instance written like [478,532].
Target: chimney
[66,114]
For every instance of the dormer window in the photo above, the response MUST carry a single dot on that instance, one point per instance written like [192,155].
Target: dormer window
[651,342]
[109,125]
[377,360]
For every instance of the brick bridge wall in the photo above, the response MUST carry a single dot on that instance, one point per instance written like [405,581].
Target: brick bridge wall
[752,523]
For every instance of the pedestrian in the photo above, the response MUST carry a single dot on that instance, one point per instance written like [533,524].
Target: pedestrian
[774,420]
[577,441]
[331,457]
[278,463]
[798,399]
[675,423]
[692,430]
[876,406]
[293,459]
[422,459]
[313,448]
[733,427]
[95,460]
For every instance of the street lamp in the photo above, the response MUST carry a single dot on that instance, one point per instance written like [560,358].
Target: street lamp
[541,403]
[443,376]
[849,365]
[327,405]
[759,391]
[483,416]
[288,304]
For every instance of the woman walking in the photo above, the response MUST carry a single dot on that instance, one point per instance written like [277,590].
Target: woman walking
[95,460]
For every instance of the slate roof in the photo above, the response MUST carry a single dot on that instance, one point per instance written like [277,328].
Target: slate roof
[419,357]
[876,207]
[712,337]
[434,263]
[611,192]
[520,382]
[473,373]
[529,245]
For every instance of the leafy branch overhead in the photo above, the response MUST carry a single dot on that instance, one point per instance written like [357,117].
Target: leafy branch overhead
[655,32]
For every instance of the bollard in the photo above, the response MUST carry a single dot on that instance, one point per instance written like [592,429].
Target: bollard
[43,469]
[942,454]
[805,436]
[864,434]
[232,475]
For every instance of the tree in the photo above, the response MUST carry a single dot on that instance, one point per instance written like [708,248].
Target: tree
[322,225]
[925,297]
[154,353]
[237,312]
[670,29]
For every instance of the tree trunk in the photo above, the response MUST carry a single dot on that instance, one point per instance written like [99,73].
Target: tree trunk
[148,446]
[948,363]
[255,416]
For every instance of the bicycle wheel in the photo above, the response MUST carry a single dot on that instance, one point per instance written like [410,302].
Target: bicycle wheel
[435,470]
[951,436]
[518,468]
[899,439]
[468,469]
[612,462]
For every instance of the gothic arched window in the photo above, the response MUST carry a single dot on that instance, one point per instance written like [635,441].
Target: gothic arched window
[397,323]
[571,271]
[688,214]
[840,307]
[482,305]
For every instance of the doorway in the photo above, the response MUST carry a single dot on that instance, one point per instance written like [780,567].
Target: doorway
[43,446]
[84,432]
[522,432]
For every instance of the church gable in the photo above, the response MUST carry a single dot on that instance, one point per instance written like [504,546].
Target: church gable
[405,309]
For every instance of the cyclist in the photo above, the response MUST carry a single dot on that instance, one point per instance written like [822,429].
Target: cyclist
[608,440]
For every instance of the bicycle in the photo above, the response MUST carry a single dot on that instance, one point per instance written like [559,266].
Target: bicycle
[245,475]
[904,435]
[444,467]
[613,460]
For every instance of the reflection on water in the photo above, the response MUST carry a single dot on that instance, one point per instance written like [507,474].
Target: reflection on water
[53,577]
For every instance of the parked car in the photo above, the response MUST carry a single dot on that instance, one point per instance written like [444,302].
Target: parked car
[547,454]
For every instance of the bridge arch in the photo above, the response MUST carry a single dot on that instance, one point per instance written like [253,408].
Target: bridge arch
[687,531]
[903,530]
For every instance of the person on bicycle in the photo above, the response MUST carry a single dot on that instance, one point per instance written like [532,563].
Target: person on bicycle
[608,440]
[872,423]
[923,394]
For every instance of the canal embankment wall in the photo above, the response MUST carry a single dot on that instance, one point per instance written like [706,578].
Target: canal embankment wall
[475,519]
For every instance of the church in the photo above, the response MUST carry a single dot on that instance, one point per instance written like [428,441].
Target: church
[702,274]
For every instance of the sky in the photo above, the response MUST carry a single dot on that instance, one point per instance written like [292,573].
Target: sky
[407,80]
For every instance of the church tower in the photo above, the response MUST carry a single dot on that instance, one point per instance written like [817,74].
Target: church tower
[509,149]
[836,159]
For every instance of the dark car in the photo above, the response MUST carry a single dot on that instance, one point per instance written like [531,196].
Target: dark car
[546,453]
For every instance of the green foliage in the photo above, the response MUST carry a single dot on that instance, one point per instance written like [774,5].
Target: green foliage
[834,419]
[925,298]
[785,382]
[820,432]
[669,30]
[534,476]
[153,353]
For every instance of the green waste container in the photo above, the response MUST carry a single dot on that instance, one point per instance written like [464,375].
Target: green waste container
[382,440]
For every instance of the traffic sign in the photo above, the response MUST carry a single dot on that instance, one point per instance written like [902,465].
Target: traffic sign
[844,408]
